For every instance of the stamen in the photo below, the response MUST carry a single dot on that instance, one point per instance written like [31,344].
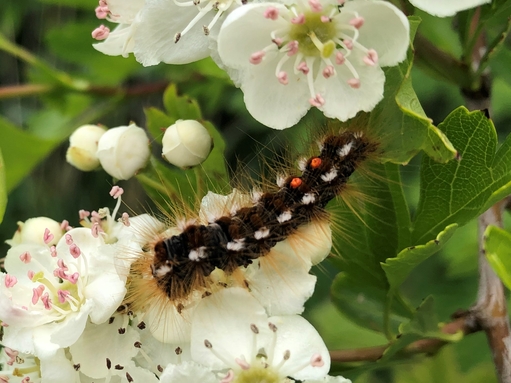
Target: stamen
[100,33]
[302,67]
[228,378]
[257,57]
[242,363]
[299,19]
[116,192]
[271,13]
[372,57]
[348,43]
[69,239]
[83,214]
[53,251]
[194,21]
[354,83]
[282,77]
[357,22]
[317,361]
[62,295]
[46,301]
[317,101]
[293,48]
[10,280]
[64,225]
[75,251]
[339,58]
[329,71]
[325,19]
[125,219]
[315,6]
[26,257]
[36,293]
[254,328]
[47,237]
[101,12]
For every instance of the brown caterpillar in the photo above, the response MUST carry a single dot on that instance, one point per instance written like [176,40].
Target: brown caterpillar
[183,263]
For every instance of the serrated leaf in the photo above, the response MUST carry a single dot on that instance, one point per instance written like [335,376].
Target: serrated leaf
[460,190]
[3,188]
[363,303]
[399,122]
[180,107]
[497,246]
[424,324]
[397,269]
[21,152]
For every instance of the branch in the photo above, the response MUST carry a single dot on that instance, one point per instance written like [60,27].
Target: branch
[25,90]
[465,323]
[490,308]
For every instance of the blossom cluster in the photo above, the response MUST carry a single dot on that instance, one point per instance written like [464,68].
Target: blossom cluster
[65,316]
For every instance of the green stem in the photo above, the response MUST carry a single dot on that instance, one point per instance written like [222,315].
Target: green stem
[386,316]
[441,63]
[23,54]
[24,90]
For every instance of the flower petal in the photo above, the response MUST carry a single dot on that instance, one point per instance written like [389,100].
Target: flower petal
[442,8]
[124,11]
[187,372]
[158,24]
[167,325]
[298,336]
[386,29]
[119,41]
[329,379]
[57,369]
[342,101]
[99,342]
[224,320]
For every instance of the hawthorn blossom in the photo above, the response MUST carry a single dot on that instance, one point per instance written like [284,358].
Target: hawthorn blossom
[234,337]
[176,31]
[18,367]
[39,230]
[120,40]
[442,8]
[289,57]
[49,293]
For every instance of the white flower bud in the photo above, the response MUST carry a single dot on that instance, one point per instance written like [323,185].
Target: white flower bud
[186,143]
[33,230]
[83,145]
[123,151]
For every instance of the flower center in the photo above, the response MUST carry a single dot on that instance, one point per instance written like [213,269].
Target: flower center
[310,32]
[257,373]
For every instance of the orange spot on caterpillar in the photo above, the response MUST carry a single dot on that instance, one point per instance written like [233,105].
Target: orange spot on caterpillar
[295,182]
[315,162]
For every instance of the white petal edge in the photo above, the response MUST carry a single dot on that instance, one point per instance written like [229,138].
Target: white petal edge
[443,8]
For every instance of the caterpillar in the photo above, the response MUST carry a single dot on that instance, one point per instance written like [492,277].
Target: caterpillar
[183,263]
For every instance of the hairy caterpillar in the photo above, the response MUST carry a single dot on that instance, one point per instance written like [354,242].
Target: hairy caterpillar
[181,263]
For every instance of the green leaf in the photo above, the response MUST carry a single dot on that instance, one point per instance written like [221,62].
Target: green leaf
[397,269]
[156,122]
[21,152]
[366,239]
[87,5]
[460,190]
[497,245]
[180,107]
[424,324]
[363,303]
[399,122]
[214,168]
[3,188]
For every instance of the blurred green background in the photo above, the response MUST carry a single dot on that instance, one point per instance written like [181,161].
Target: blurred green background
[58,32]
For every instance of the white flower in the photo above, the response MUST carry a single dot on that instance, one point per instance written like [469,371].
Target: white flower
[330,379]
[120,40]
[186,143]
[316,53]
[188,372]
[123,151]
[39,230]
[175,31]
[48,294]
[83,145]
[18,367]
[443,8]
[231,330]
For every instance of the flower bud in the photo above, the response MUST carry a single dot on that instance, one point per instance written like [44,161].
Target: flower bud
[83,145]
[33,230]
[186,143]
[123,151]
